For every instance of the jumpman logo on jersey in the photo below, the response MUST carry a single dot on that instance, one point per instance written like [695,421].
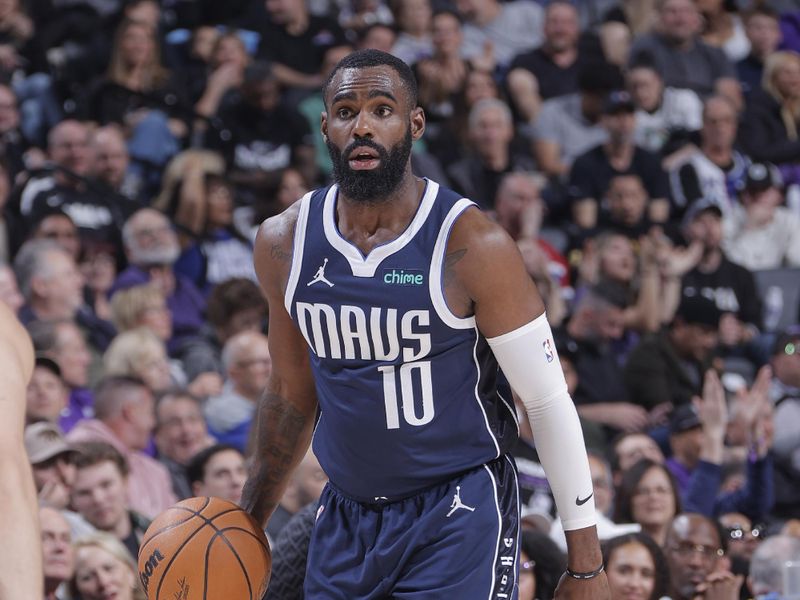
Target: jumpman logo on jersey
[320,276]
[458,504]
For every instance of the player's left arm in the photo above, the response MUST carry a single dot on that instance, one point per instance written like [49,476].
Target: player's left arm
[484,272]
[21,551]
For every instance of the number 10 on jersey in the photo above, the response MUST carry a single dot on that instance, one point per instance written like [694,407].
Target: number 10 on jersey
[405,376]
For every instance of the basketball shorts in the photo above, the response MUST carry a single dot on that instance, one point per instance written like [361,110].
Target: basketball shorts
[458,539]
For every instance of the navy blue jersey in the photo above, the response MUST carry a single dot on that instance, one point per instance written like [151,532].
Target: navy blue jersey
[407,390]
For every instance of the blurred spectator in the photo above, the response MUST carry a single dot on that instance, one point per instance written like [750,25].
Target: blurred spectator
[639,16]
[98,265]
[100,494]
[112,167]
[356,16]
[180,434]
[218,471]
[760,233]
[247,365]
[63,342]
[682,56]
[629,448]
[104,570]
[305,486]
[647,495]
[226,68]
[217,252]
[491,131]
[125,420]
[663,113]
[592,171]
[234,306]
[500,30]
[744,537]
[767,579]
[58,226]
[64,184]
[138,353]
[414,21]
[378,36]
[9,291]
[53,464]
[152,248]
[627,207]
[636,567]
[138,93]
[713,171]
[568,126]
[289,555]
[264,136]
[537,264]
[785,395]
[694,550]
[9,223]
[667,368]
[47,395]
[12,141]
[723,28]
[713,275]
[769,125]
[552,69]
[52,286]
[764,34]
[295,41]
[58,558]
[541,565]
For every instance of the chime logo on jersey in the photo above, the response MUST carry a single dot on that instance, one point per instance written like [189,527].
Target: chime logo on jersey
[352,332]
[404,277]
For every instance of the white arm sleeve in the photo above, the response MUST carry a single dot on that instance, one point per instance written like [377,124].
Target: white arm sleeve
[529,360]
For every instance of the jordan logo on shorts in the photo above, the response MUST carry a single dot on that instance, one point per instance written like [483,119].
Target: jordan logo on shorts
[457,503]
[320,275]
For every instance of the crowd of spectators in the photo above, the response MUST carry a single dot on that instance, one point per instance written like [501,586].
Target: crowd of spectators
[643,154]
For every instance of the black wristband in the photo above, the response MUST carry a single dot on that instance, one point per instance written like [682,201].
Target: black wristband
[589,575]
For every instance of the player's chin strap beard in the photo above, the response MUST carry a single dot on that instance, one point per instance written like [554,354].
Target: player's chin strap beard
[371,187]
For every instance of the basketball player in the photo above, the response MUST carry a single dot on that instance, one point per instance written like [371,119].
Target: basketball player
[392,301]
[21,551]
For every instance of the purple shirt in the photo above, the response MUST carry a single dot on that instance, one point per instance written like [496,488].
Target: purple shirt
[80,406]
[186,304]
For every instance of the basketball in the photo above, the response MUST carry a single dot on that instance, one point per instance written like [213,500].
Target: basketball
[204,548]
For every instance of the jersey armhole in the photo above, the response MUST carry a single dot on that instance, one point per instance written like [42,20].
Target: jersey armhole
[435,279]
[297,251]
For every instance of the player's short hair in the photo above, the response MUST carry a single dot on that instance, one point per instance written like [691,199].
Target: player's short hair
[362,59]
[196,469]
[89,454]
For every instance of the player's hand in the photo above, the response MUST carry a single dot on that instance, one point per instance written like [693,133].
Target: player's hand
[570,588]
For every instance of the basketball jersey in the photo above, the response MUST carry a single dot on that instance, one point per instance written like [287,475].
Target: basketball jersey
[407,389]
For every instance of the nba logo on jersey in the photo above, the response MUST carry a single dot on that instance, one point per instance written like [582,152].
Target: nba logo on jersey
[548,350]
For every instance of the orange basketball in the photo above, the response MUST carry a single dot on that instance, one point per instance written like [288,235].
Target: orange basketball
[204,548]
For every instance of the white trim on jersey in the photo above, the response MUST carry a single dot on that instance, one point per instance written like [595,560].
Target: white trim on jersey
[519,528]
[360,265]
[297,251]
[435,279]
[478,395]
[493,576]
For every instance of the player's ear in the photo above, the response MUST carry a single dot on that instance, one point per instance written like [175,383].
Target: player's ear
[323,125]
[417,123]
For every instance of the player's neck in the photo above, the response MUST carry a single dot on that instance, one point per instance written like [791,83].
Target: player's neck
[369,224]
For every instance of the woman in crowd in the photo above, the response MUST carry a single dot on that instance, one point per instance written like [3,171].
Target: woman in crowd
[724,28]
[413,18]
[636,567]
[647,495]
[226,72]
[104,569]
[139,353]
[541,566]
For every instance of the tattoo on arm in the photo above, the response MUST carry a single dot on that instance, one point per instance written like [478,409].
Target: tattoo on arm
[281,441]
[449,266]
[278,252]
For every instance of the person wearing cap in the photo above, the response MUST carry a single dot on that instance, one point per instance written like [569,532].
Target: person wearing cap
[667,368]
[785,395]
[592,171]
[716,169]
[714,275]
[760,233]
[47,395]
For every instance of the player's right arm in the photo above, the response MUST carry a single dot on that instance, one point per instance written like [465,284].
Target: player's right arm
[21,551]
[287,410]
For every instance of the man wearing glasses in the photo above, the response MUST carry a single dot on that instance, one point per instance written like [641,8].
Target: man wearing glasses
[693,549]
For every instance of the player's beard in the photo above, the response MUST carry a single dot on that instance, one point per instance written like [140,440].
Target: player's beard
[371,187]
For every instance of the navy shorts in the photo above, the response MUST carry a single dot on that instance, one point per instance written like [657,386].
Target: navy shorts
[458,539]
